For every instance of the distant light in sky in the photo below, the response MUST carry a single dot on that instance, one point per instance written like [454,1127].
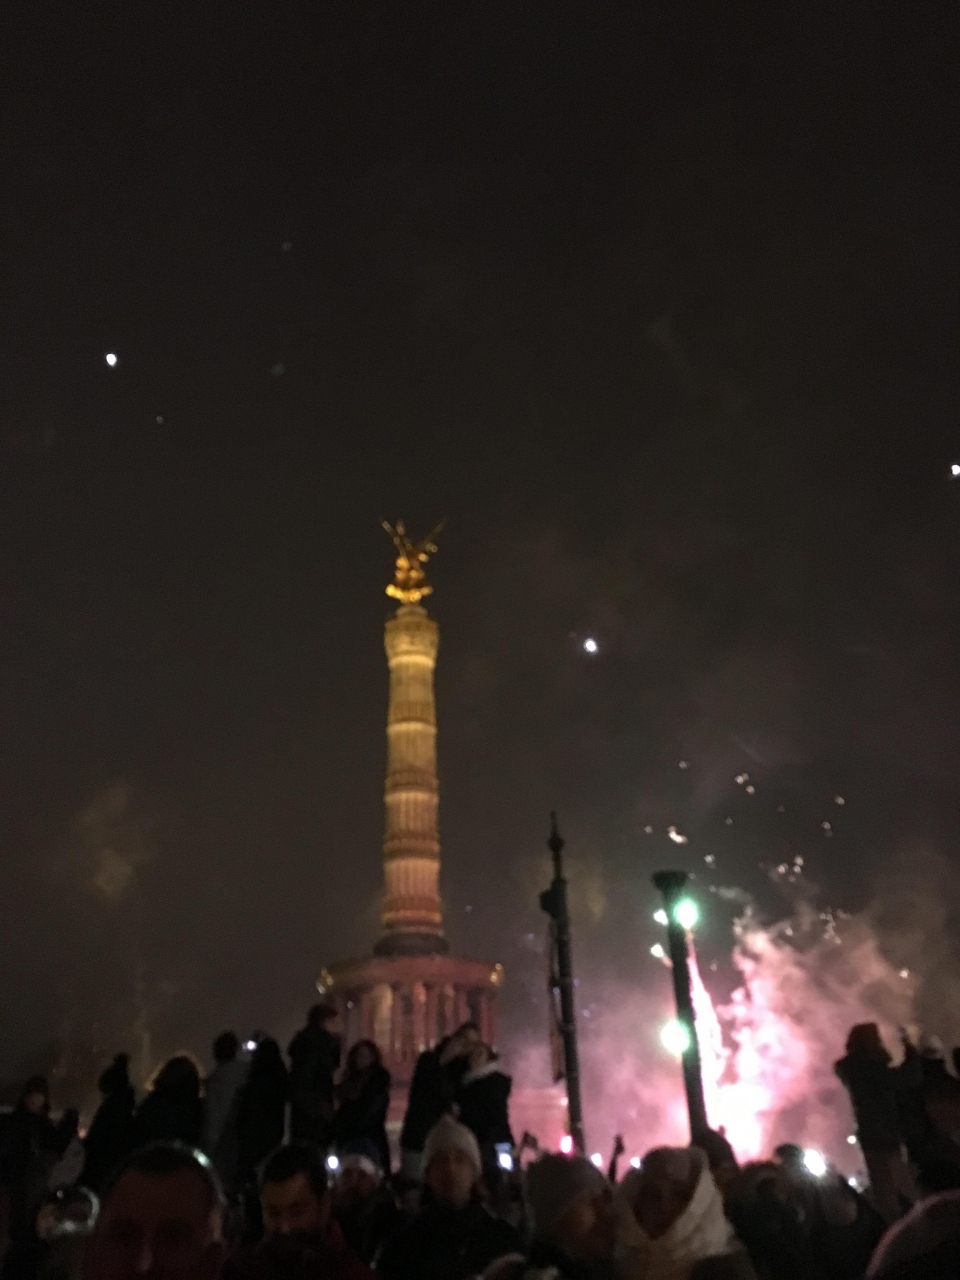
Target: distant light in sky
[851,1139]
[839,800]
[660,916]
[684,764]
[657,951]
[750,790]
[741,778]
[590,645]
[597,1160]
[675,1038]
[566,1144]
[333,1164]
[648,830]
[955,470]
[110,358]
[904,973]
[676,836]
[814,1163]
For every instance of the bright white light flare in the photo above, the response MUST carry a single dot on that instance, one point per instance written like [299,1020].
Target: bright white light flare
[814,1163]
[687,914]
[675,1038]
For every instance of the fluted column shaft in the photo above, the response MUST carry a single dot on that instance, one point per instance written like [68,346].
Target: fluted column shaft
[412,911]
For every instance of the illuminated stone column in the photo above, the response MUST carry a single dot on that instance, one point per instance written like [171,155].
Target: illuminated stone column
[412,912]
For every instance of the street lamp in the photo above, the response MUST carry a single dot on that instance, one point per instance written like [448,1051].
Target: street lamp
[554,902]
[682,915]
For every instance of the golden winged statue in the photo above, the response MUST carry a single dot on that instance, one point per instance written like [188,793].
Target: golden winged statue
[410,584]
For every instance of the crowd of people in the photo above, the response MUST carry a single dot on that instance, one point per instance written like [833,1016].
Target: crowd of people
[277,1168]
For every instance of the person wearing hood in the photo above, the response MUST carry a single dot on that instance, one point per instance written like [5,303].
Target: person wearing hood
[874,1085]
[110,1136]
[220,1100]
[30,1147]
[483,1102]
[685,1234]
[453,1237]
[172,1110]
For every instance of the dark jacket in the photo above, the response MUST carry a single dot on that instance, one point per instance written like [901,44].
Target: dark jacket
[872,1085]
[483,1100]
[261,1108]
[322,1257]
[432,1093]
[30,1146]
[314,1058]
[368,1224]
[162,1118]
[447,1244]
[362,1111]
[110,1137]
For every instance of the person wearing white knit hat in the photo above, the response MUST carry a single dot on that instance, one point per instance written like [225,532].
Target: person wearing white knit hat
[450,1137]
[453,1237]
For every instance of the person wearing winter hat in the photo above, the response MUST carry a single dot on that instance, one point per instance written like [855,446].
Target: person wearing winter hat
[362,1203]
[679,1210]
[453,1237]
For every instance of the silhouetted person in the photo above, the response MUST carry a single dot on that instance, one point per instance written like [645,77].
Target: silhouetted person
[172,1110]
[483,1103]
[302,1240]
[221,1097]
[161,1219]
[314,1058]
[31,1145]
[872,1084]
[261,1107]
[111,1135]
[433,1089]
[363,1097]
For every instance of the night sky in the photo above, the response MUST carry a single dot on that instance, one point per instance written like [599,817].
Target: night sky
[655,303]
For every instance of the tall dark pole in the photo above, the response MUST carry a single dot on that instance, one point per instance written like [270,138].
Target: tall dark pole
[554,902]
[672,884]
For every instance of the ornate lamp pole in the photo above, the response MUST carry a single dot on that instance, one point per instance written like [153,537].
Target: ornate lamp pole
[554,902]
[671,884]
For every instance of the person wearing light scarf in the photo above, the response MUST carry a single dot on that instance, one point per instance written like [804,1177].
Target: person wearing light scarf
[683,1232]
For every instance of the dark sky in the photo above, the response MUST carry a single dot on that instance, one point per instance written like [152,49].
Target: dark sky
[656,303]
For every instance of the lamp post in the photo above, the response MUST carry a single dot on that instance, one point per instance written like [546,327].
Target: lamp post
[554,902]
[672,884]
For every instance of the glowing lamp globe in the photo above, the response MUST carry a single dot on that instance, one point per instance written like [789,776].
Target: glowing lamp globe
[686,913]
[566,1145]
[675,1038]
